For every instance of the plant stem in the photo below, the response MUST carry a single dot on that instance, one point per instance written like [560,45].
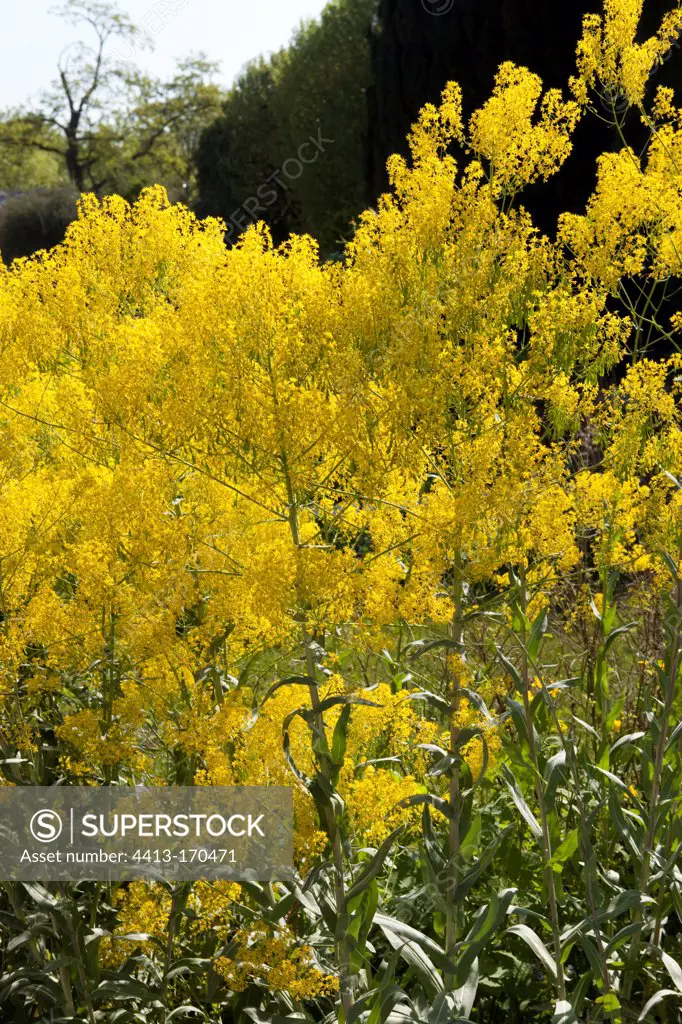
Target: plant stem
[451,912]
[540,796]
[332,828]
[178,902]
[334,833]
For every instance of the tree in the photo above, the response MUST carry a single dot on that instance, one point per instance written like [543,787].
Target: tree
[73,106]
[239,151]
[105,122]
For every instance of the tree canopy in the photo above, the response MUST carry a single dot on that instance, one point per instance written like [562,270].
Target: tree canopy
[316,87]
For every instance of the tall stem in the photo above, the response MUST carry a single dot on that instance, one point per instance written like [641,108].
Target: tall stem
[178,903]
[332,828]
[589,858]
[451,914]
[334,833]
[82,978]
[540,796]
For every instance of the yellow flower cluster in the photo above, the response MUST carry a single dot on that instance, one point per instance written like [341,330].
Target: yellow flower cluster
[143,911]
[610,56]
[273,957]
[519,151]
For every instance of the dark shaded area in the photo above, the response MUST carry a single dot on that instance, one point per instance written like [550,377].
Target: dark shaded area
[415,52]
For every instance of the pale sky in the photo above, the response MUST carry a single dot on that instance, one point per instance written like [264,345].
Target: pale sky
[230,31]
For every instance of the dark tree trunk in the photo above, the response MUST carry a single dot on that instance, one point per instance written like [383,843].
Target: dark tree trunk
[74,166]
[73,156]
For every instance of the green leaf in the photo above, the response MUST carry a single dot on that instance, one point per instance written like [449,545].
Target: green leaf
[417,799]
[511,669]
[414,954]
[537,633]
[286,747]
[553,774]
[586,726]
[565,851]
[40,895]
[520,802]
[124,988]
[564,1013]
[184,1011]
[615,633]
[536,944]
[470,840]
[439,703]
[374,867]
[621,937]
[422,647]
[466,995]
[413,935]
[380,760]
[485,923]
[518,717]
[673,968]
[289,681]
[336,701]
[625,827]
[340,737]
[623,741]
[612,778]
[674,735]
[657,998]
[386,999]
[187,965]
[468,881]
[476,701]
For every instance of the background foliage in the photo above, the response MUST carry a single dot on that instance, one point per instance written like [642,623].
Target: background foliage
[319,82]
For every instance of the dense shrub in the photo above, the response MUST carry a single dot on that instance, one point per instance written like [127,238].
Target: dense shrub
[35,220]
